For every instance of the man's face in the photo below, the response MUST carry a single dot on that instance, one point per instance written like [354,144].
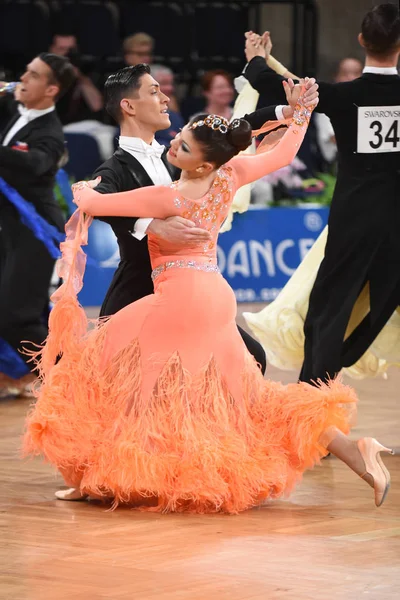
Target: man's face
[349,69]
[36,87]
[63,44]
[150,106]
[139,53]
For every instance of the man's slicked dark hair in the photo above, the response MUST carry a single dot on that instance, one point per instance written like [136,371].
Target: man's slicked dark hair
[63,72]
[381,29]
[119,85]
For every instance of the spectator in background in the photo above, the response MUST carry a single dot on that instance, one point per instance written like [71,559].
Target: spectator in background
[348,70]
[217,96]
[62,44]
[138,48]
[81,109]
[219,93]
[165,77]
[83,101]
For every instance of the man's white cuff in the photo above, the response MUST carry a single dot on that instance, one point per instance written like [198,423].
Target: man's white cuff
[279,113]
[140,229]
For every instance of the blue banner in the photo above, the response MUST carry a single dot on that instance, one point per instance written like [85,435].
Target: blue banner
[257,257]
[264,248]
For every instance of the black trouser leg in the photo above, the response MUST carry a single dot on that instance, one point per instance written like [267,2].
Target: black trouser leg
[366,332]
[128,285]
[331,302]
[25,275]
[255,349]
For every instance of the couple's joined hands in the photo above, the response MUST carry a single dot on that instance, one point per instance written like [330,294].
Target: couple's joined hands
[261,45]
[307,89]
[258,45]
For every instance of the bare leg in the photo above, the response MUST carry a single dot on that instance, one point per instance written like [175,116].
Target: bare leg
[363,457]
[348,452]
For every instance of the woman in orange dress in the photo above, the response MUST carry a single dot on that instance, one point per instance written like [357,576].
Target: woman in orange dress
[162,404]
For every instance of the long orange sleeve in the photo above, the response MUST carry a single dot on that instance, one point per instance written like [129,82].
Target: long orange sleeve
[249,168]
[155,202]
[158,201]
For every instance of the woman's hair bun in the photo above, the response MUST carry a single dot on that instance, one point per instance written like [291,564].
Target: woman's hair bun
[239,134]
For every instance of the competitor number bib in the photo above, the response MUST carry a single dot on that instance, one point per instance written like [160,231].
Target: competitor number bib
[378,129]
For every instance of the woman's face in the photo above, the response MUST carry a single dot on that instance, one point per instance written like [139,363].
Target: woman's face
[220,92]
[185,152]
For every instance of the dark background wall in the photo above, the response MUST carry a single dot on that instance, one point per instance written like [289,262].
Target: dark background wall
[339,25]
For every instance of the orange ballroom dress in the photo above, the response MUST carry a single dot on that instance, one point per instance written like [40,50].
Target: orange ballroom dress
[161,406]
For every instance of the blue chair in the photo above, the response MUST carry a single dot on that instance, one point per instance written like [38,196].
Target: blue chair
[84,155]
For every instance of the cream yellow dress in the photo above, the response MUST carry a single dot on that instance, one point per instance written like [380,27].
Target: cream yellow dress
[246,103]
[279,326]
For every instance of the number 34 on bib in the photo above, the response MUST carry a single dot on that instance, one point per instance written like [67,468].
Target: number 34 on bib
[378,129]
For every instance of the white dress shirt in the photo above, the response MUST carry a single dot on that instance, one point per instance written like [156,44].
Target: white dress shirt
[149,156]
[27,115]
[381,70]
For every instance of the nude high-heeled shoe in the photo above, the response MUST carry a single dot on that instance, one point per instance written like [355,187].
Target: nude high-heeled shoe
[71,495]
[370,450]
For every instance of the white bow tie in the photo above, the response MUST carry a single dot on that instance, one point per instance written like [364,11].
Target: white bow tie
[156,151]
[25,112]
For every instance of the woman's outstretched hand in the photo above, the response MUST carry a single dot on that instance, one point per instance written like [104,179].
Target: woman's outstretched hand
[80,185]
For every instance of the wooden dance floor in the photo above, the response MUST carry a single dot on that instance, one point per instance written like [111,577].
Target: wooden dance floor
[328,541]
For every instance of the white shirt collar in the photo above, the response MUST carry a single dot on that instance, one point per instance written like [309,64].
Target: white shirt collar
[32,113]
[381,70]
[136,144]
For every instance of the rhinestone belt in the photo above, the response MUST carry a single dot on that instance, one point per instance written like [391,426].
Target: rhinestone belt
[184,264]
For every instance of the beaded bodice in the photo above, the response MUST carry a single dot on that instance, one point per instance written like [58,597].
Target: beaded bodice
[208,213]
